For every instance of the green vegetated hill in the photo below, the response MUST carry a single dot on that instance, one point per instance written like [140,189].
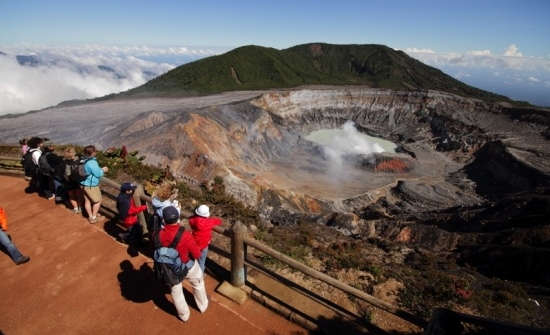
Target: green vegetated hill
[255,67]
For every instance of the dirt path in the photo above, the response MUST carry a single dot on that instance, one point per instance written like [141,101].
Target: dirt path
[81,281]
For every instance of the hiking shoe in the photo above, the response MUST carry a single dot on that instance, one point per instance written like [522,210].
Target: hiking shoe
[22,260]
[52,197]
[77,210]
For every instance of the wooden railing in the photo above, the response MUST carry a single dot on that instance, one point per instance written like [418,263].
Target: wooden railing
[442,322]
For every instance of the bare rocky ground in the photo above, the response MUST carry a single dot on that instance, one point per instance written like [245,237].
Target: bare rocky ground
[470,211]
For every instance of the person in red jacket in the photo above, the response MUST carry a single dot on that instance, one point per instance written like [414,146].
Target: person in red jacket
[202,225]
[186,247]
[128,214]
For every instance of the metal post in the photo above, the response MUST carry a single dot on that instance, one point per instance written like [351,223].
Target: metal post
[238,273]
[137,200]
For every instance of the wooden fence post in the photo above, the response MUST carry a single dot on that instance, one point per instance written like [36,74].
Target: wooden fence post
[137,200]
[238,273]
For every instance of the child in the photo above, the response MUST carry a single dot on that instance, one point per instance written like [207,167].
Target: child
[164,196]
[127,212]
[202,225]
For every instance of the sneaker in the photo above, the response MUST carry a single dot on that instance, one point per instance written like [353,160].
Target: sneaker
[52,197]
[92,219]
[22,260]
[77,210]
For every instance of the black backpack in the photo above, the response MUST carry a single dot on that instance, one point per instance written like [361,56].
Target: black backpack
[28,165]
[75,171]
[168,266]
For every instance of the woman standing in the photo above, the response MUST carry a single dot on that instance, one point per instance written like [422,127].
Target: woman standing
[90,185]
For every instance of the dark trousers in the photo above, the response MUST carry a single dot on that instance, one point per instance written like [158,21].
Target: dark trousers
[47,186]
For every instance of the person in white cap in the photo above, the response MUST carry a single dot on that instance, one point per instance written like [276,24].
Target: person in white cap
[202,224]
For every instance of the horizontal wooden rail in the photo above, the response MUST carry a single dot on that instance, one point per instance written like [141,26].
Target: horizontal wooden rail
[12,158]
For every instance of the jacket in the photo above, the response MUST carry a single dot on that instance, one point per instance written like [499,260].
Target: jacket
[202,229]
[158,205]
[93,171]
[125,202]
[57,164]
[186,247]
[44,164]
[3,219]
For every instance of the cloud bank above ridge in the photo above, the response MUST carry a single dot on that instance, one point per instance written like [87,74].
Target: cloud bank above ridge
[511,73]
[35,77]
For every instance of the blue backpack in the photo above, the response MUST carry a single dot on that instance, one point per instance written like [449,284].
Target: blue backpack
[168,266]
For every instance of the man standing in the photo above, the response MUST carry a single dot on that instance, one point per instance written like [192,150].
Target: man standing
[185,247]
[90,185]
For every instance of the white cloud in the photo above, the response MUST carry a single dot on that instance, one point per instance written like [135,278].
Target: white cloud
[415,50]
[534,79]
[65,73]
[512,51]
[483,59]
[479,52]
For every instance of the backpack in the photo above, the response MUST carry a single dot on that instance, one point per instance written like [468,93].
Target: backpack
[28,164]
[168,266]
[75,171]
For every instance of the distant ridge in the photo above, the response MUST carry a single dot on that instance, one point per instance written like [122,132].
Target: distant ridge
[255,67]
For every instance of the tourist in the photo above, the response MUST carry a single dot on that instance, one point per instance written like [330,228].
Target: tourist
[128,214]
[185,247]
[90,185]
[57,163]
[6,242]
[30,163]
[72,187]
[47,171]
[202,224]
[165,195]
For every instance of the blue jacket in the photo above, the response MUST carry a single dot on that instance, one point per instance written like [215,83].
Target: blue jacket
[93,171]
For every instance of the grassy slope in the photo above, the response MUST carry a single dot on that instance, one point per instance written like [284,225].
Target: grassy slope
[254,67]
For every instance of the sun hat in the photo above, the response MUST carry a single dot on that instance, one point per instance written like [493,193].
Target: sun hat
[203,211]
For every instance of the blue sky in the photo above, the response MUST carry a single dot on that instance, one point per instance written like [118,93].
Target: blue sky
[502,46]
[439,25]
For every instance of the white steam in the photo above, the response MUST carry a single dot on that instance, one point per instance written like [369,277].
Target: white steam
[338,143]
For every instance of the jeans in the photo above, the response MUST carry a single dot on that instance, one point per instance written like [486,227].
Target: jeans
[10,247]
[202,258]
[59,189]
